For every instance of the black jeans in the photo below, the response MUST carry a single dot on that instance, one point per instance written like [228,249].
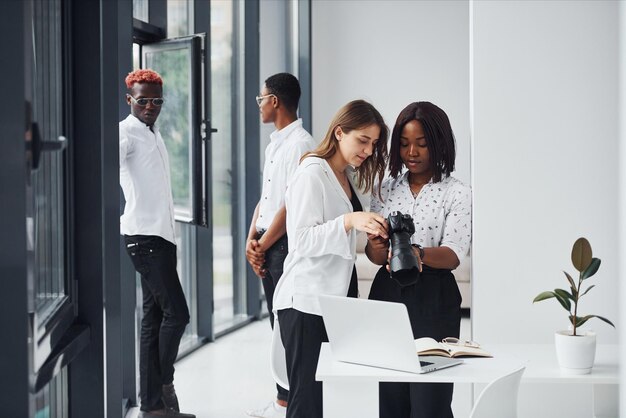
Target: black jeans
[302,335]
[274,261]
[165,314]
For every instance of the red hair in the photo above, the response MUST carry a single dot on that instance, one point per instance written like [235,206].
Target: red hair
[143,76]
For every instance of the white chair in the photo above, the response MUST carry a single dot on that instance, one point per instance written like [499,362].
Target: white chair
[499,398]
[278,363]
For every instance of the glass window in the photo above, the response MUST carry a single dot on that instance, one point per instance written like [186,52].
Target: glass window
[51,401]
[175,121]
[227,302]
[46,189]
[141,10]
[186,245]
[179,18]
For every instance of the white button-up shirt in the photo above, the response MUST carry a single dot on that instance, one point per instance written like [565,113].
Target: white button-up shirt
[321,252]
[145,181]
[442,212]
[282,157]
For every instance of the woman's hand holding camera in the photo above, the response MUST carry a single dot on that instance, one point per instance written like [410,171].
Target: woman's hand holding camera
[369,222]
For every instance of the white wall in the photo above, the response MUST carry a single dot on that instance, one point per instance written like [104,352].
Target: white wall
[392,53]
[545,171]
[545,162]
[622,206]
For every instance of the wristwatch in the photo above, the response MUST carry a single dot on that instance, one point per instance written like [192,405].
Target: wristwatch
[420,250]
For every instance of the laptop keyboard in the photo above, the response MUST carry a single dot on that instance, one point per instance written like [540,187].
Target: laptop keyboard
[425,363]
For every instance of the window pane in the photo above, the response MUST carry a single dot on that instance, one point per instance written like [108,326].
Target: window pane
[136,56]
[51,400]
[45,207]
[175,121]
[222,162]
[186,266]
[179,18]
[140,10]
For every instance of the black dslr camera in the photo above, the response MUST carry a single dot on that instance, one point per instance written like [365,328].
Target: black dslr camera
[403,264]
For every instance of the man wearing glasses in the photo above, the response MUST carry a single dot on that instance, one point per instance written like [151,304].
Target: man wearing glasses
[148,228]
[266,246]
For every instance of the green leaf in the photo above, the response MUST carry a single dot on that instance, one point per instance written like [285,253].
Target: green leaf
[563,300]
[571,283]
[591,269]
[601,318]
[581,254]
[590,287]
[564,293]
[580,320]
[543,296]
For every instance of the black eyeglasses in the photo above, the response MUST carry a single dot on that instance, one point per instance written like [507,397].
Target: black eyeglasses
[156,101]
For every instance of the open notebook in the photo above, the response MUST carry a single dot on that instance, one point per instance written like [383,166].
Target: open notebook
[375,333]
[427,346]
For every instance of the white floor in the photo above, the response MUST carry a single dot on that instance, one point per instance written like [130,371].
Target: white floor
[225,378]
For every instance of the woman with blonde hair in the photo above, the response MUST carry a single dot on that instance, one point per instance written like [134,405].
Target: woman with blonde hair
[322,226]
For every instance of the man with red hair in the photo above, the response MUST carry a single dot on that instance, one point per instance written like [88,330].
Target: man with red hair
[148,228]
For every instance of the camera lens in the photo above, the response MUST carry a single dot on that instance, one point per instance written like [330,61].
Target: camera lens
[403,264]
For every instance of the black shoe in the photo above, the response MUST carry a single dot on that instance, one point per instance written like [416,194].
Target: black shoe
[169,397]
[164,413]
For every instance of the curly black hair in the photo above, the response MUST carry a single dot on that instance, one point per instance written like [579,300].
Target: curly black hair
[286,87]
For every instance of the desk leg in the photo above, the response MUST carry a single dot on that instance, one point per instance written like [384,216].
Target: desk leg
[350,399]
[605,401]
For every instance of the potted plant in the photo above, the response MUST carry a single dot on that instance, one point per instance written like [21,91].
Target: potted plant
[576,350]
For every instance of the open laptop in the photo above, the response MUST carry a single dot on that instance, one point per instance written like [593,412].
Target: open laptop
[375,333]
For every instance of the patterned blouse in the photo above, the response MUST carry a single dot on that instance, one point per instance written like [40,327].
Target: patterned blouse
[442,212]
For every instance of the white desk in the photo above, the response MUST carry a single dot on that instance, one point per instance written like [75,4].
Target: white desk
[351,390]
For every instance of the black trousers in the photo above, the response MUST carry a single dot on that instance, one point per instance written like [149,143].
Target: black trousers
[353,289]
[165,314]
[302,335]
[434,305]
[274,261]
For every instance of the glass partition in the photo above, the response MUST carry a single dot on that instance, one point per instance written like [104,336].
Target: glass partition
[228,286]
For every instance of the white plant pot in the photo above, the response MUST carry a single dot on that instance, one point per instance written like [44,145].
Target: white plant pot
[575,354]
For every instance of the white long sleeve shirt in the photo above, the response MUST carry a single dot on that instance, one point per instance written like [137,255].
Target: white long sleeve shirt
[321,252]
[282,157]
[441,212]
[145,181]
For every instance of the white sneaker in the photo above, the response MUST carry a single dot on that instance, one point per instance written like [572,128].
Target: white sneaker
[272,410]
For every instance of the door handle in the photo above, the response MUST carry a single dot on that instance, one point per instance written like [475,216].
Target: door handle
[203,128]
[36,145]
